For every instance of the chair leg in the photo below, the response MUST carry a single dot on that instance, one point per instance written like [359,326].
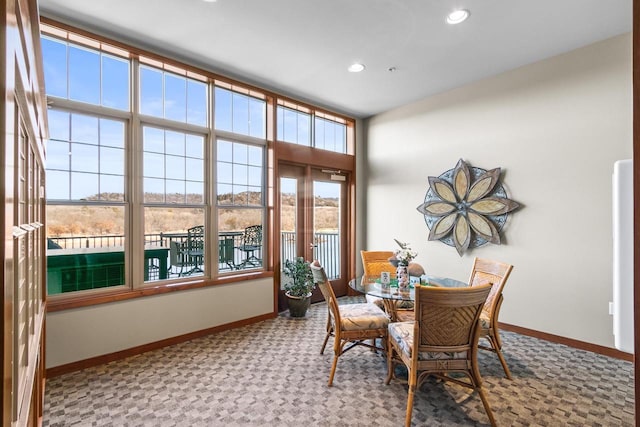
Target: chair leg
[326,339]
[412,392]
[390,364]
[504,363]
[333,368]
[485,403]
[496,347]
[329,332]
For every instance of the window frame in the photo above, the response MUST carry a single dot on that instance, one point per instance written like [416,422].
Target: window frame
[133,190]
[249,141]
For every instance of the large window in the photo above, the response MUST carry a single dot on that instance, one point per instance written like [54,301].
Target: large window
[79,73]
[86,173]
[330,135]
[85,158]
[130,199]
[173,166]
[174,203]
[157,172]
[241,199]
[172,96]
[239,113]
[295,126]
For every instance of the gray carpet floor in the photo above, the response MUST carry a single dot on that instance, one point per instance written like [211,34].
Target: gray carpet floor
[271,374]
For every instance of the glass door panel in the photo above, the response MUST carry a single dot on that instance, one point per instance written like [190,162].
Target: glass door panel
[312,218]
[326,227]
[288,218]
[329,216]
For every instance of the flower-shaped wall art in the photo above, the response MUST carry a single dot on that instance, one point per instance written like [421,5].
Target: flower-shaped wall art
[466,207]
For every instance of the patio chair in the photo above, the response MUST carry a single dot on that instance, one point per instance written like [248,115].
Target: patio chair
[195,249]
[352,324]
[176,257]
[251,242]
[443,340]
[188,255]
[496,273]
[225,252]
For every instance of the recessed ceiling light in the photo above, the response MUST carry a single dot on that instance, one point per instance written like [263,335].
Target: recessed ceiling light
[355,68]
[457,16]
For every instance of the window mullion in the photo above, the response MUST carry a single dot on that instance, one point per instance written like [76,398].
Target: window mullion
[169,124]
[135,224]
[84,108]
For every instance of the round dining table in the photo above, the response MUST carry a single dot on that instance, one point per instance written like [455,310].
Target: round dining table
[391,295]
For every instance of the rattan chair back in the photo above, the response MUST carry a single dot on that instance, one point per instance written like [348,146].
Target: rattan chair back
[323,283]
[447,318]
[375,262]
[494,272]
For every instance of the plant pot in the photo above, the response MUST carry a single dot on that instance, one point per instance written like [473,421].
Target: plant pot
[298,306]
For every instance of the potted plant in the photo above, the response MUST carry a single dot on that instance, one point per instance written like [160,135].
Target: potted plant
[299,285]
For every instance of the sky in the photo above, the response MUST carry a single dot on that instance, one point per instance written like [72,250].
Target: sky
[86,154]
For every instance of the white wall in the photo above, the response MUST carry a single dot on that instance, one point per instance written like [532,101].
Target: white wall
[555,128]
[78,334]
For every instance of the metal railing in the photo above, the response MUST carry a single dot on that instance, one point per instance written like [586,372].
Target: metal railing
[326,248]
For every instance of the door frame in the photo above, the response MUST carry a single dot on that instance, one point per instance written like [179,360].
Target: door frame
[636,202]
[292,154]
[305,214]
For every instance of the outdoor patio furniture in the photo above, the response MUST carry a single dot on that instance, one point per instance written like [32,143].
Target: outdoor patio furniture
[251,242]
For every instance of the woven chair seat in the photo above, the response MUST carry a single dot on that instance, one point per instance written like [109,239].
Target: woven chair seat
[362,316]
[402,333]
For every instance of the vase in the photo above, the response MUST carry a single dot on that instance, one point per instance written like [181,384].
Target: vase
[402,274]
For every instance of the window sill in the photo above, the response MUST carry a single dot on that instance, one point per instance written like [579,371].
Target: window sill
[60,304]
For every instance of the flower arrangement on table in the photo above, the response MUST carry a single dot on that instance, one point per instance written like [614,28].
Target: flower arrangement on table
[405,254]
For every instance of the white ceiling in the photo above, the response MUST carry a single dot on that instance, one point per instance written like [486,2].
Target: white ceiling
[302,48]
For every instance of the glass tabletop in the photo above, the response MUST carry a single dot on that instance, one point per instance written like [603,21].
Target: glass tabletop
[371,285]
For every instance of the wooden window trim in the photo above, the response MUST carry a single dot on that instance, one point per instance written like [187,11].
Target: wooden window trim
[70,301]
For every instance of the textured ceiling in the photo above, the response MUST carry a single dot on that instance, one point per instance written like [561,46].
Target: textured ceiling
[302,48]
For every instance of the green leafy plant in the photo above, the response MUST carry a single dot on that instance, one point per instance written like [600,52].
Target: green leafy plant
[300,282]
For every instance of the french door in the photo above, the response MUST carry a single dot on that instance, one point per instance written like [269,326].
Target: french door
[313,222]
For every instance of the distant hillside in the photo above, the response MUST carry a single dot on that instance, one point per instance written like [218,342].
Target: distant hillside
[73,220]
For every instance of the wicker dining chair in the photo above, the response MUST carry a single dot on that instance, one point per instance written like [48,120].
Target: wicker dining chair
[374,263]
[442,340]
[352,324]
[496,273]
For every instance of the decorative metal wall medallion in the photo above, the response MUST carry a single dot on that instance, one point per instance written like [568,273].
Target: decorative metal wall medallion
[466,207]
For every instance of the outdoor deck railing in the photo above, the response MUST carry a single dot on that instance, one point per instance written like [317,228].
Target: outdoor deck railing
[326,249]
